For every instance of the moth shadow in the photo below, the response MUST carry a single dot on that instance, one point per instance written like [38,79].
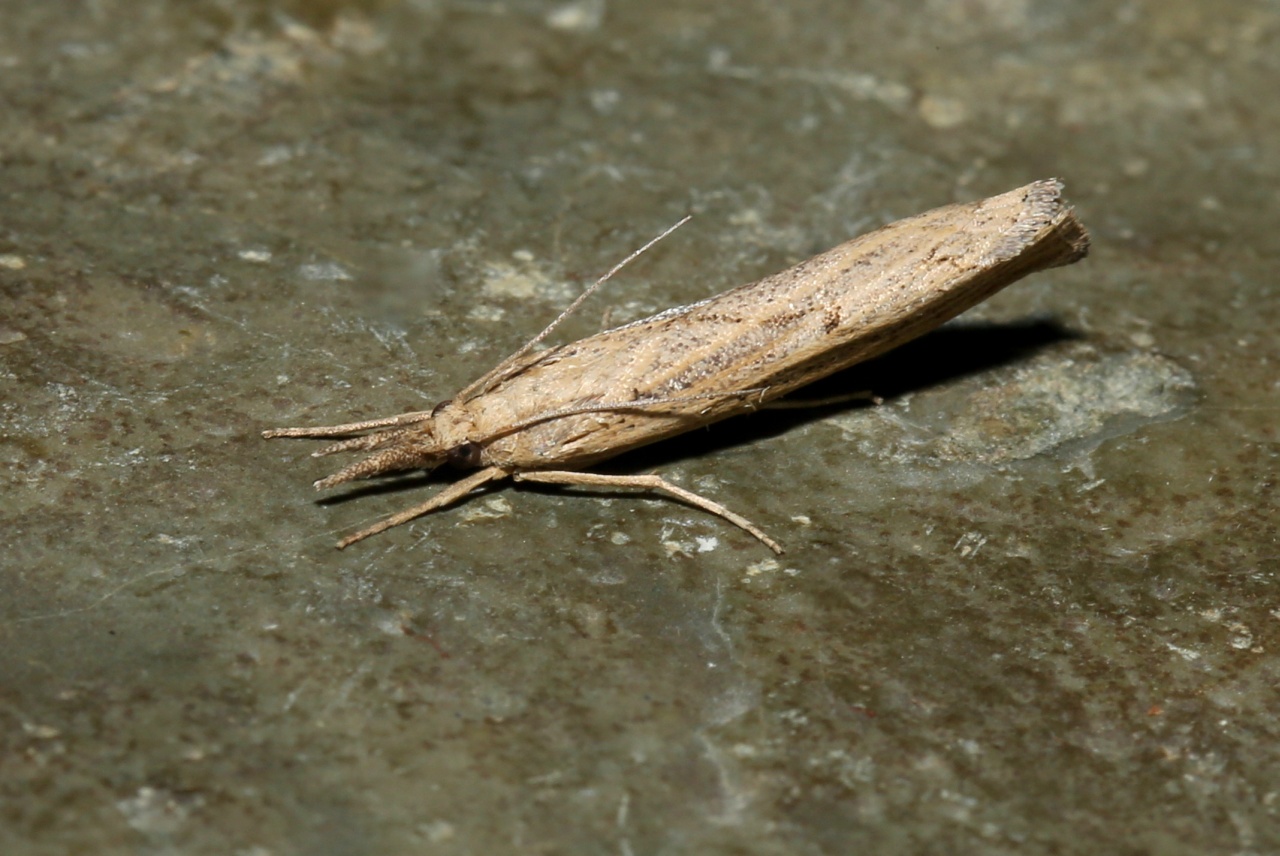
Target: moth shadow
[955,351]
[958,350]
[390,483]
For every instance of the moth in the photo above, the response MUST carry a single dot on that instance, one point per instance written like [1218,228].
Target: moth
[543,416]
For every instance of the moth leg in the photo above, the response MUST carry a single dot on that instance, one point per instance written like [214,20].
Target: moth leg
[648,482]
[806,403]
[447,496]
[350,427]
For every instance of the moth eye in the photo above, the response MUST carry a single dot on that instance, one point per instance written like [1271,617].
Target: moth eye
[465,455]
[435,411]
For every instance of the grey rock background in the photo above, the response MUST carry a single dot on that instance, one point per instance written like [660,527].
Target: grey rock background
[1029,603]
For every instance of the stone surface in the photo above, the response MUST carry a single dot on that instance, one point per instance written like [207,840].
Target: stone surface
[1028,604]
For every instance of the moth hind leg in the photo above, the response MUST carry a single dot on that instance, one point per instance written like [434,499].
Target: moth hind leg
[650,481]
[827,401]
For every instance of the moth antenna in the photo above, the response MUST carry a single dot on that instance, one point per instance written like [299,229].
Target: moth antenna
[501,371]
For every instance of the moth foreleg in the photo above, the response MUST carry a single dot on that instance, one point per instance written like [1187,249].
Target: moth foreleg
[447,496]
